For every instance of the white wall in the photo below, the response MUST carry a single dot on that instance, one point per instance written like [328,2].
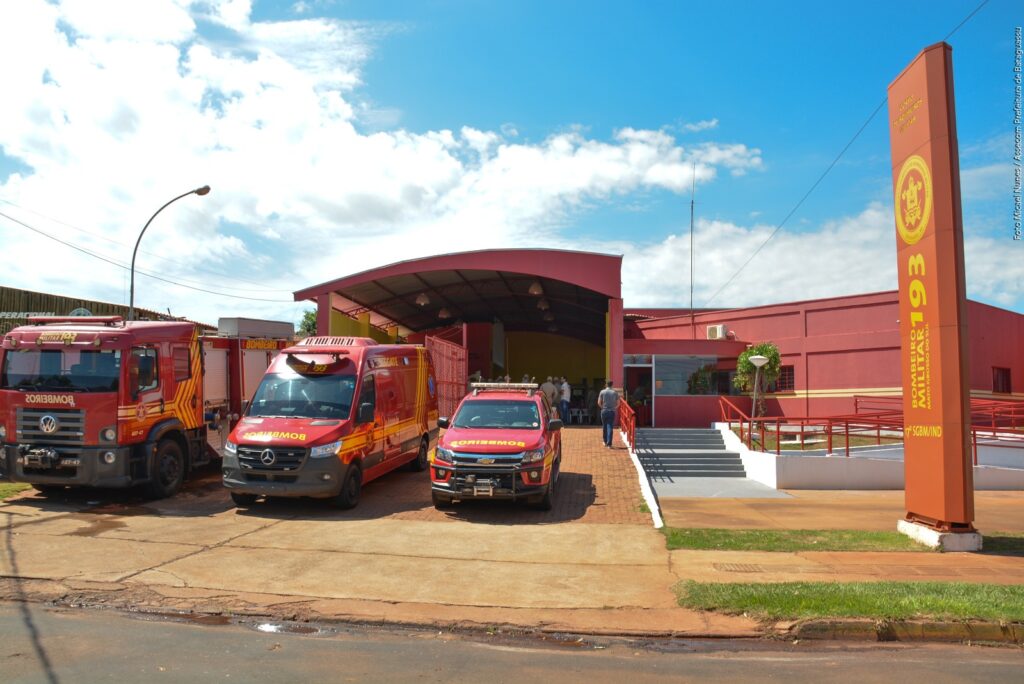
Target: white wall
[861,472]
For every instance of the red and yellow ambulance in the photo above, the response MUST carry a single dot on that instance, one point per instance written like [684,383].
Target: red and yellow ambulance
[330,415]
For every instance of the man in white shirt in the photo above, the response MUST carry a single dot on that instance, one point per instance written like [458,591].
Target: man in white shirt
[563,405]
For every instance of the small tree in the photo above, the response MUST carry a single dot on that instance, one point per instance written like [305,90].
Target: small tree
[307,328]
[745,372]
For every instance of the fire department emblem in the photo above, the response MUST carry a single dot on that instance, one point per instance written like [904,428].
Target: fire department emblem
[267,457]
[913,199]
[49,424]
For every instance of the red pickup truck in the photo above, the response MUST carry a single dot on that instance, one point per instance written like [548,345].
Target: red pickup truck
[502,443]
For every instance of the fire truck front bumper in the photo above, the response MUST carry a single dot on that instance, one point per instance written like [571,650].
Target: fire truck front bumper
[318,478]
[57,465]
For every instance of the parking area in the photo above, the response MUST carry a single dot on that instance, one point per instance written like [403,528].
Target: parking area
[594,550]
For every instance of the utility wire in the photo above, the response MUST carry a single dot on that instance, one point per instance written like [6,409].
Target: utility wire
[827,170]
[155,256]
[148,275]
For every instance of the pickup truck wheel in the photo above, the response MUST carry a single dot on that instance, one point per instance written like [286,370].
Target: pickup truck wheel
[546,501]
[441,502]
[351,487]
[419,464]
[243,500]
[168,470]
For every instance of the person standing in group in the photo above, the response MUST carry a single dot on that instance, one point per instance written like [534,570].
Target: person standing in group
[608,401]
[566,397]
[551,392]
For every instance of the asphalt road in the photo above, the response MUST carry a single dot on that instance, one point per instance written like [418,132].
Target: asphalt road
[42,644]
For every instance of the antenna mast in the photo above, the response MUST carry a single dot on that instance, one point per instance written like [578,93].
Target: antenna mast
[693,189]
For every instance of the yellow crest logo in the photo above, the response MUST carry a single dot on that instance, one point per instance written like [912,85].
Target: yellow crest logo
[913,199]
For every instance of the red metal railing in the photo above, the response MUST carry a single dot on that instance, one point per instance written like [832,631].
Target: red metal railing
[627,421]
[449,360]
[993,424]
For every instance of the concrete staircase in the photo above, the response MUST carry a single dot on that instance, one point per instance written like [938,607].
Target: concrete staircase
[669,453]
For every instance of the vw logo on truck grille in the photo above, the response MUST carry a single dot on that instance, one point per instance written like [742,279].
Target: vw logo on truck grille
[49,424]
[267,457]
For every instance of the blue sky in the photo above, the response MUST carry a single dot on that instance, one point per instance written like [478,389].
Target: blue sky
[352,134]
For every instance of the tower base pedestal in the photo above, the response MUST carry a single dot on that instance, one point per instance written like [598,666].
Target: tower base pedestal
[945,541]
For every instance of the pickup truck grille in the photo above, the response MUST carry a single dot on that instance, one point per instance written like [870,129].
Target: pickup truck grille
[70,426]
[497,461]
[284,458]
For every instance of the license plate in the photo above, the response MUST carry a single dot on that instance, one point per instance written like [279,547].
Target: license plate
[483,490]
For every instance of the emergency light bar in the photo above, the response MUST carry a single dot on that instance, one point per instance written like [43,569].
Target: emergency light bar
[477,386]
[86,320]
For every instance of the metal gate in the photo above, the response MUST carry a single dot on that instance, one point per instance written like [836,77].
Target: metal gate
[450,370]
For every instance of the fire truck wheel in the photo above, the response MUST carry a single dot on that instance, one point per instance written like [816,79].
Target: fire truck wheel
[419,464]
[243,500]
[168,471]
[441,501]
[348,497]
[546,501]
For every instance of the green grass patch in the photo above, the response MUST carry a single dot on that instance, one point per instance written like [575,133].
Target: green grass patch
[8,489]
[817,441]
[788,540]
[878,600]
[1003,542]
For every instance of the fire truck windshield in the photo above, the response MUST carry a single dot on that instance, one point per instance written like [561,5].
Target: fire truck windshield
[292,395]
[498,413]
[71,370]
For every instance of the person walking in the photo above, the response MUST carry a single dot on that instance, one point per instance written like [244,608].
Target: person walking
[608,401]
[566,397]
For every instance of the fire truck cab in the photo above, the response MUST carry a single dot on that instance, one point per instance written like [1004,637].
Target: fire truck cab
[502,443]
[103,402]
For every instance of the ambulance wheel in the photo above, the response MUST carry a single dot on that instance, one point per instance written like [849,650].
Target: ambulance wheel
[348,497]
[243,500]
[441,502]
[167,471]
[419,464]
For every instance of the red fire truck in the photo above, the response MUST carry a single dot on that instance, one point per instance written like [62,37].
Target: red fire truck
[102,402]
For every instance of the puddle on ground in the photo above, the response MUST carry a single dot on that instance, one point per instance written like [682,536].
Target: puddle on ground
[287,628]
[190,618]
[94,526]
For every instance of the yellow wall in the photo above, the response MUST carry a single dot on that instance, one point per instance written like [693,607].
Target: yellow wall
[345,326]
[544,354]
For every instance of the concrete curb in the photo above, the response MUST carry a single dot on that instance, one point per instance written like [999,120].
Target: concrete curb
[645,485]
[903,631]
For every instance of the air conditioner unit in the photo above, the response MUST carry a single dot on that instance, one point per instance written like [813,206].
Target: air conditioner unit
[717,332]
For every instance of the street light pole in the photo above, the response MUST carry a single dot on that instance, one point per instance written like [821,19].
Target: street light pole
[758,361]
[131,290]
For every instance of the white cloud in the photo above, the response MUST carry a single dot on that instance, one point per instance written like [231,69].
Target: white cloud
[704,125]
[994,181]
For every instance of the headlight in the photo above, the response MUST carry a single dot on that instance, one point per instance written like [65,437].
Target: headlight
[444,455]
[3,432]
[326,450]
[533,455]
[109,434]
[230,447]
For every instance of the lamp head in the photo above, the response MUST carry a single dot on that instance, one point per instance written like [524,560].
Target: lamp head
[205,190]
[758,360]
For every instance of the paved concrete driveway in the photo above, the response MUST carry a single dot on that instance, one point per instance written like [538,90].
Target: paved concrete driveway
[594,552]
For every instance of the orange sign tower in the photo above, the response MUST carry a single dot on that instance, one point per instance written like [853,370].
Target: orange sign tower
[933,315]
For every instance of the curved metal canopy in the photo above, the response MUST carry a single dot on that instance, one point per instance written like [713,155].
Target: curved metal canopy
[526,290]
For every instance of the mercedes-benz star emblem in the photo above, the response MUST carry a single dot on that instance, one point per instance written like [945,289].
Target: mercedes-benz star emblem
[267,457]
[49,424]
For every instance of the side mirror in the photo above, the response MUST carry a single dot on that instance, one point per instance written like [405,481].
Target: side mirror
[443,422]
[365,414]
[554,425]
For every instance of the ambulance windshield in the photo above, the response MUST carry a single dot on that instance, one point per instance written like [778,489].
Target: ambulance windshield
[67,370]
[291,395]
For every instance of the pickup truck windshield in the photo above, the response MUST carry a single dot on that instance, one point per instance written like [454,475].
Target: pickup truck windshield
[498,413]
[68,370]
[303,396]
